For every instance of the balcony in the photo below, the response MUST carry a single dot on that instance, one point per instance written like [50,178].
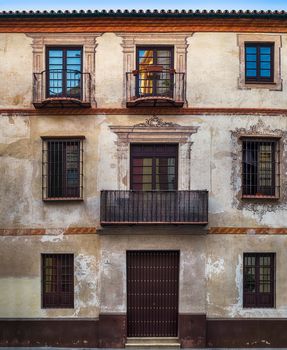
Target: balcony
[61,88]
[154,207]
[155,86]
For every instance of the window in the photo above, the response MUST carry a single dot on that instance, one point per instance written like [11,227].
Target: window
[260,167]
[155,67]
[63,168]
[57,280]
[154,167]
[259,61]
[258,280]
[64,72]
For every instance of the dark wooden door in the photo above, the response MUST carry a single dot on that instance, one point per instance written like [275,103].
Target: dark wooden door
[152,293]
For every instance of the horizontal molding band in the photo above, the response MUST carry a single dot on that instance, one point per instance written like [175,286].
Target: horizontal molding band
[248,230]
[142,25]
[48,232]
[94,230]
[140,111]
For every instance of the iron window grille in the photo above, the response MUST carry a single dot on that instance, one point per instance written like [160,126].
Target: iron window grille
[258,280]
[259,62]
[62,168]
[57,280]
[260,168]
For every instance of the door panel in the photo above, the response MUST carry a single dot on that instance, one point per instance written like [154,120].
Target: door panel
[152,293]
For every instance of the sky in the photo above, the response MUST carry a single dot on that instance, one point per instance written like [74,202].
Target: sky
[142,4]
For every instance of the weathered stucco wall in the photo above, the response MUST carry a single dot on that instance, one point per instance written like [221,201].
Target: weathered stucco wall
[224,273]
[214,165]
[113,268]
[16,71]
[212,72]
[20,274]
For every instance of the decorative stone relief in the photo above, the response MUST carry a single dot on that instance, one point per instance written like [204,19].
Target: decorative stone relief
[257,130]
[154,130]
[156,122]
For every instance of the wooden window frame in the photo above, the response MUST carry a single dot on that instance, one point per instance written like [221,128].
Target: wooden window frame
[58,299]
[154,48]
[274,39]
[64,80]
[258,296]
[275,141]
[46,174]
[153,155]
[259,79]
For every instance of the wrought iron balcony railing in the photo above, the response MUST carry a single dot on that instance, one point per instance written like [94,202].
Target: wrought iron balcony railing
[61,87]
[154,207]
[155,86]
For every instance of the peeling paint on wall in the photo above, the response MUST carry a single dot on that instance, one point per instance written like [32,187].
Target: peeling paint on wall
[86,284]
[214,267]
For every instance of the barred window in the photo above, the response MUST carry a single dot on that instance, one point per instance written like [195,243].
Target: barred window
[260,167]
[57,280]
[258,279]
[63,168]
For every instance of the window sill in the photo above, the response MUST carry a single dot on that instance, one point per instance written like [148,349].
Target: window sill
[63,199]
[248,85]
[58,307]
[259,308]
[259,196]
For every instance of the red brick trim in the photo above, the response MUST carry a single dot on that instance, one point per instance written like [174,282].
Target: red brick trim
[247,230]
[141,25]
[139,111]
[40,232]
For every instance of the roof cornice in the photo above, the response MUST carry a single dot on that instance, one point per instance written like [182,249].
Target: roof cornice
[147,13]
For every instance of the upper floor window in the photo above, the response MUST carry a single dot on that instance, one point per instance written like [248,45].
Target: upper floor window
[63,82]
[260,167]
[155,75]
[155,82]
[64,72]
[57,280]
[62,168]
[154,167]
[259,62]
[258,279]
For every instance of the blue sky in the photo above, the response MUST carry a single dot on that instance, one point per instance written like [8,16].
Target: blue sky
[144,4]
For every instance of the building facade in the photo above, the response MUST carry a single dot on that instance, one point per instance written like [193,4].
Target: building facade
[143,189]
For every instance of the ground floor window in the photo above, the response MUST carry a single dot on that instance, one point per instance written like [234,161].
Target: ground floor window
[258,280]
[57,280]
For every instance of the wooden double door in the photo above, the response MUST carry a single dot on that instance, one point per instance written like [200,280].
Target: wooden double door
[152,293]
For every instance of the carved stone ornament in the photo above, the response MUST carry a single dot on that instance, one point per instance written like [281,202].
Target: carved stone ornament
[155,122]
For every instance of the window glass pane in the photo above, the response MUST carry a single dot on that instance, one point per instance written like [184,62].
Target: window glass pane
[251,65]
[250,50]
[251,58]
[265,73]
[55,53]
[251,73]
[265,58]
[74,53]
[265,65]
[57,61]
[265,50]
